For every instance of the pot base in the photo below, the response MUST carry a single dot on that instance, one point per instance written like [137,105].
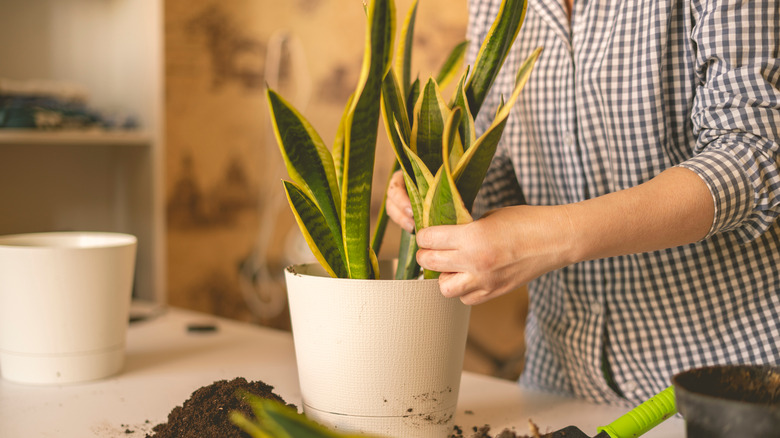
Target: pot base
[433,425]
[35,369]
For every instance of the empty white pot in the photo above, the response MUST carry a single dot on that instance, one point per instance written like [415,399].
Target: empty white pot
[381,357]
[64,305]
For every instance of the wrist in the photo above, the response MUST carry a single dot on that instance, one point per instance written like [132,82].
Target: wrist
[573,245]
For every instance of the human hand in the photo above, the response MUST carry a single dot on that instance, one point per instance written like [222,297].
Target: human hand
[398,205]
[503,250]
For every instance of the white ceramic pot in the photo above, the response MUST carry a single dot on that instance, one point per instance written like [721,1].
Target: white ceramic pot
[381,357]
[64,305]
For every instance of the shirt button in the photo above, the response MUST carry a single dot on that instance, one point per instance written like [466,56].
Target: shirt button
[630,386]
[595,308]
[568,138]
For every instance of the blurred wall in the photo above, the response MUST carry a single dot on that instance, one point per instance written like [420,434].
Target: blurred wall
[230,232]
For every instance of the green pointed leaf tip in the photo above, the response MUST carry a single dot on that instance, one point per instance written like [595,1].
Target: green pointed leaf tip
[452,64]
[494,50]
[361,136]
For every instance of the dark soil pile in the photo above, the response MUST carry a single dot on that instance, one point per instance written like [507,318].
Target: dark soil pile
[206,414]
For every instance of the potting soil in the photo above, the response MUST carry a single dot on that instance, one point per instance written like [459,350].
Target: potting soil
[206,414]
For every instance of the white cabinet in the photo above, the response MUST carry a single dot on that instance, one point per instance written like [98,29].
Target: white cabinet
[89,180]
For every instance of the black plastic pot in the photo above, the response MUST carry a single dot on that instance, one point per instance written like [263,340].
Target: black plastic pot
[730,401]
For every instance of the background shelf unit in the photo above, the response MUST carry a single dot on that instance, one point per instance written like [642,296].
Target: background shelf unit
[89,180]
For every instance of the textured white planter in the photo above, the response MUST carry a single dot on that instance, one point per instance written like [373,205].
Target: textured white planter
[382,357]
[64,305]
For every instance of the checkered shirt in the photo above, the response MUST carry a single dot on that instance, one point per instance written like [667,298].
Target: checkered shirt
[629,89]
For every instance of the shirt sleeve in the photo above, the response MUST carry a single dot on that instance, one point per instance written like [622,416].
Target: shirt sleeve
[736,112]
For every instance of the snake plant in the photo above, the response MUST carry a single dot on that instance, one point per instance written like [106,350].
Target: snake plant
[443,161]
[330,192]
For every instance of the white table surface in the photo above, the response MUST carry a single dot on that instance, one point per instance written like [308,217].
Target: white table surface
[165,363]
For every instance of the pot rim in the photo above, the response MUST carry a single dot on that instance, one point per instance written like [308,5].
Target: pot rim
[315,270]
[682,382]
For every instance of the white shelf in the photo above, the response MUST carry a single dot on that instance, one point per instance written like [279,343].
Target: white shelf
[75,137]
[92,179]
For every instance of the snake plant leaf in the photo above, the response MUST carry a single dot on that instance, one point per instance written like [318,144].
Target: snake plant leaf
[404,56]
[326,246]
[473,166]
[338,143]
[361,135]
[466,128]
[494,50]
[277,420]
[374,263]
[452,64]
[407,268]
[428,127]
[422,177]
[445,204]
[411,99]
[254,430]
[394,112]
[308,161]
[381,222]
[417,201]
[417,182]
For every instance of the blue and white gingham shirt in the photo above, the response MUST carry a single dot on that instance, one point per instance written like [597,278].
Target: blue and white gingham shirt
[631,88]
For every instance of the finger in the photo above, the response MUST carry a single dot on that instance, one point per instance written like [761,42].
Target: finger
[396,192]
[452,284]
[400,217]
[440,237]
[440,260]
[476,297]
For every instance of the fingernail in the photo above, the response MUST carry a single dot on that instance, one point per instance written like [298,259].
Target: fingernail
[409,226]
[408,211]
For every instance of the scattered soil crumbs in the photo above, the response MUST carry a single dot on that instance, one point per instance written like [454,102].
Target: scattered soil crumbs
[484,432]
[206,414]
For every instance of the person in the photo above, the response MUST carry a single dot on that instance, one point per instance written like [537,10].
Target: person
[636,191]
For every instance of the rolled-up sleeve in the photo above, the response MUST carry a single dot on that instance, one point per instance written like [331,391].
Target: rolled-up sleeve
[736,112]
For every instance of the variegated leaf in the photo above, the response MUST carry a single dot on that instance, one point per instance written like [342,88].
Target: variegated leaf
[395,118]
[429,115]
[474,164]
[407,268]
[381,221]
[452,64]
[466,128]
[417,201]
[338,143]
[323,243]
[277,420]
[360,138]
[422,177]
[494,50]
[308,161]
[411,99]
[404,57]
